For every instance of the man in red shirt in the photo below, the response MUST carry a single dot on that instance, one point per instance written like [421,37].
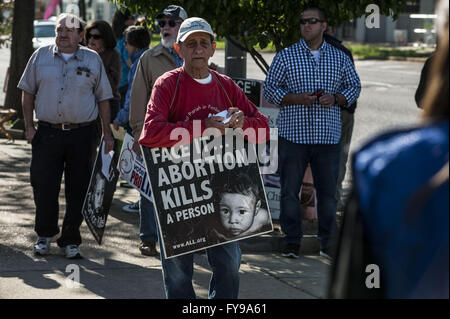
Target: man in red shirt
[183,100]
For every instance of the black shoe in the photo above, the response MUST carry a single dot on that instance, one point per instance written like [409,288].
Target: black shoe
[148,248]
[328,253]
[291,250]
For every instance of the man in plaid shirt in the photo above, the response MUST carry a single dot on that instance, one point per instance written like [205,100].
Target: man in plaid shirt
[310,81]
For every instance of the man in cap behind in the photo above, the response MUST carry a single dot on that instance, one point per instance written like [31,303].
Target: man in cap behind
[151,65]
[182,99]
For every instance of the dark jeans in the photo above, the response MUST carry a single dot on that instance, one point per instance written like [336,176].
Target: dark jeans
[53,152]
[224,260]
[293,161]
[148,227]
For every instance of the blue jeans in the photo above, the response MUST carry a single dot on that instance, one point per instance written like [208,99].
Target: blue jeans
[148,229]
[224,260]
[293,160]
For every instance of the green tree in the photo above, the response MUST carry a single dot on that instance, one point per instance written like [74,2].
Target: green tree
[253,24]
[6,9]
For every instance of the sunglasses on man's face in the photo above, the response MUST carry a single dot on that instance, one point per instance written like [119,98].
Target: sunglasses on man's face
[94,36]
[310,21]
[172,23]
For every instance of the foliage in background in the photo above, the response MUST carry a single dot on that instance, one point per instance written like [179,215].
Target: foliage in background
[251,24]
[6,18]
[21,50]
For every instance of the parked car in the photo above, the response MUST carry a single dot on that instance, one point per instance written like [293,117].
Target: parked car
[44,33]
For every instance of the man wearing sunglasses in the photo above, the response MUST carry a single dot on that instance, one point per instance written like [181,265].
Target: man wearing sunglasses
[152,64]
[310,81]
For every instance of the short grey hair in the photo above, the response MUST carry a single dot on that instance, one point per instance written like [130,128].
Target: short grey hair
[72,21]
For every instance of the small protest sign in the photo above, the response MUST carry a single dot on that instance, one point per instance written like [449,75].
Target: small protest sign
[272,185]
[206,193]
[100,192]
[132,167]
[252,89]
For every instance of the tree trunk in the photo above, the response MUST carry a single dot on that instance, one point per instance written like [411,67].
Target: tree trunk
[21,50]
[258,58]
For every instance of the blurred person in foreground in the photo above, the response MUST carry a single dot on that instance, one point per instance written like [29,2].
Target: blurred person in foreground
[397,220]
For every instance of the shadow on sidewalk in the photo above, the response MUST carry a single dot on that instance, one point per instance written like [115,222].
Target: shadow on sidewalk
[31,278]
[46,277]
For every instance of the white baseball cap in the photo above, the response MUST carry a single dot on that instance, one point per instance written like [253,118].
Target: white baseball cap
[193,25]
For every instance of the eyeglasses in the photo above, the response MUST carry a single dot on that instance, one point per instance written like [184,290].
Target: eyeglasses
[94,36]
[310,21]
[172,23]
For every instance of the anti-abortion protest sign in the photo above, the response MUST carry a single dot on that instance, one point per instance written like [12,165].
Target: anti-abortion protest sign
[206,193]
[253,89]
[272,186]
[131,167]
[100,192]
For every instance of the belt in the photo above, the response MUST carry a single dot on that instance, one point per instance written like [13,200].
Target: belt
[66,126]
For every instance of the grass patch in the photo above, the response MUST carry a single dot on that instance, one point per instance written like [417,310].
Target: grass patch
[378,52]
[360,51]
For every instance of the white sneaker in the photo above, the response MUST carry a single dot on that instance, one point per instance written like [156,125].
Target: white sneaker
[131,208]
[325,255]
[72,252]
[42,246]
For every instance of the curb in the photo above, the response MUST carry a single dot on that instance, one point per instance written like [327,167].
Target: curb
[274,241]
[16,134]
[274,244]
[393,58]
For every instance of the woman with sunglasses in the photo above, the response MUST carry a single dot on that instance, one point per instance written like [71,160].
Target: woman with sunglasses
[99,37]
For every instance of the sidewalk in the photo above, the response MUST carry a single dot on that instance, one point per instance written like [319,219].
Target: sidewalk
[116,269]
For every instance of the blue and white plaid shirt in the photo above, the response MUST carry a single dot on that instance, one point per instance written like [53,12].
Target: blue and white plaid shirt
[295,70]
